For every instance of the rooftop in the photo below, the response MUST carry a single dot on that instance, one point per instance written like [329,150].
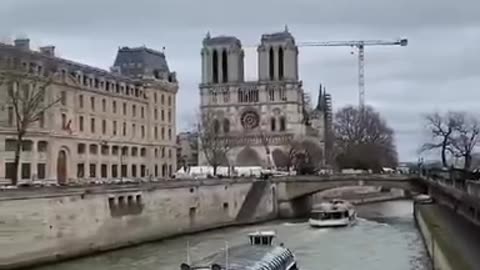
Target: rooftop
[221,40]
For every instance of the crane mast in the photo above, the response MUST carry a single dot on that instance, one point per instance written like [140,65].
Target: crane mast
[360,45]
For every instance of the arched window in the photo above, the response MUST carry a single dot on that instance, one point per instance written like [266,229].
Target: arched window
[282,123]
[273,124]
[216,126]
[226,126]
[280,63]
[224,66]
[271,59]
[215,66]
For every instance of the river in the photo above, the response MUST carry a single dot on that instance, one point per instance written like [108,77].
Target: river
[384,238]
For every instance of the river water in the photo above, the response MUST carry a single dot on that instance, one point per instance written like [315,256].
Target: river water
[384,238]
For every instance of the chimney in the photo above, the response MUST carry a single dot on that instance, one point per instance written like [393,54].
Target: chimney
[22,43]
[48,50]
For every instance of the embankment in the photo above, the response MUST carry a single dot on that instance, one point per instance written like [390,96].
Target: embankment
[452,242]
[40,226]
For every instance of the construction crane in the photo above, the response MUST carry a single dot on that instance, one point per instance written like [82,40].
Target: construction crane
[360,45]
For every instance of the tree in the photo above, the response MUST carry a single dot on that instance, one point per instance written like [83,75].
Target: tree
[440,128]
[465,137]
[27,99]
[213,143]
[363,140]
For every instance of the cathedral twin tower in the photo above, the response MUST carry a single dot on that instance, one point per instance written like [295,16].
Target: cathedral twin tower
[223,59]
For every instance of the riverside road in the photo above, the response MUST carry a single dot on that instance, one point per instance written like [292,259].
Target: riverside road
[384,238]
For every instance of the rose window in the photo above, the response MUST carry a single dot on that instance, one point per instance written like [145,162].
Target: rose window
[250,120]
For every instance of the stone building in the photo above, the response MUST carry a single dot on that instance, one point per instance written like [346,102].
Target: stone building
[108,124]
[262,119]
[187,149]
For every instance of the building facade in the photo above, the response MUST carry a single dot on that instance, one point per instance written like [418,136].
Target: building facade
[262,119]
[107,125]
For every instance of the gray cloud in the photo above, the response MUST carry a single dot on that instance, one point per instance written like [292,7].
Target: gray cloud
[437,71]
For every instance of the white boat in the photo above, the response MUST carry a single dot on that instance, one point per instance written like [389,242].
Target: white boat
[336,213]
[259,254]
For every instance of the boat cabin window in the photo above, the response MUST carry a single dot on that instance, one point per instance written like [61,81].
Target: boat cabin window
[329,215]
[265,240]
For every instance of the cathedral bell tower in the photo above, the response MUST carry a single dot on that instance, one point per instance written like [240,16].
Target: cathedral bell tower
[278,57]
[222,60]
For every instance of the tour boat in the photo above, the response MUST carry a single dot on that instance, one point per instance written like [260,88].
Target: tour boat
[259,254]
[336,213]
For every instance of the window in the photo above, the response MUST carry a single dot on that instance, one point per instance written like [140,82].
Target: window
[104,105]
[282,95]
[10,116]
[41,120]
[143,112]
[143,152]
[124,170]
[155,133]
[215,66]
[124,129]
[224,66]
[115,150]
[163,133]
[169,116]
[134,110]
[26,171]
[114,106]
[134,170]
[142,170]
[103,171]
[93,170]
[124,108]
[226,96]
[92,125]
[134,151]
[104,150]
[80,101]
[92,103]
[104,126]
[162,99]
[93,149]
[271,60]
[63,98]
[10,145]
[169,153]
[155,97]
[114,131]
[271,94]
[272,124]
[226,126]
[162,115]
[81,147]
[143,131]
[169,100]
[27,146]
[280,63]
[10,170]
[156,152]
[80,170]
[170,134]
[155,114]
[114,170]
[64,121]
[125,151]
[156,171]
[163,152]
[41,170]
[42,146]
[282,124]
[216,126]
[134,128]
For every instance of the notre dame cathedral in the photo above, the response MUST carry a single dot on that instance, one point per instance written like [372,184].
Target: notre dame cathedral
[262,118]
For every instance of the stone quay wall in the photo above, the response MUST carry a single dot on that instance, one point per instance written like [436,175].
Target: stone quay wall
[46,225]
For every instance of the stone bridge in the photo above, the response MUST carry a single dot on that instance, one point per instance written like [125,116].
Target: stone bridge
[294,193]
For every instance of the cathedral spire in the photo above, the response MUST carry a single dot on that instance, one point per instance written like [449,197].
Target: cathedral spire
[320,99]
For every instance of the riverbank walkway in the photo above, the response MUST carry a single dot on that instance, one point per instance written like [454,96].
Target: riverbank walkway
[461,236]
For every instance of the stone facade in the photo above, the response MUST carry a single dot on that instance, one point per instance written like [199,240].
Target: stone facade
[262,118]
[109,124]
[187,149]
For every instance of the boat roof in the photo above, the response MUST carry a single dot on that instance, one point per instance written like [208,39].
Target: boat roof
[251,257]
[263,233]
[332,206]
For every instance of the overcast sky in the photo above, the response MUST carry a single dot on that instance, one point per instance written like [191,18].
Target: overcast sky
[439,69]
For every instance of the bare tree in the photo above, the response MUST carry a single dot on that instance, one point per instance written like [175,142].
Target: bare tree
[213,143]
[27,100]
[440,128]
[465,137]
[363,139]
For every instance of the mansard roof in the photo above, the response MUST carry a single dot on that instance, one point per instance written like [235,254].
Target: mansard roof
[140,61]
[221,40]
